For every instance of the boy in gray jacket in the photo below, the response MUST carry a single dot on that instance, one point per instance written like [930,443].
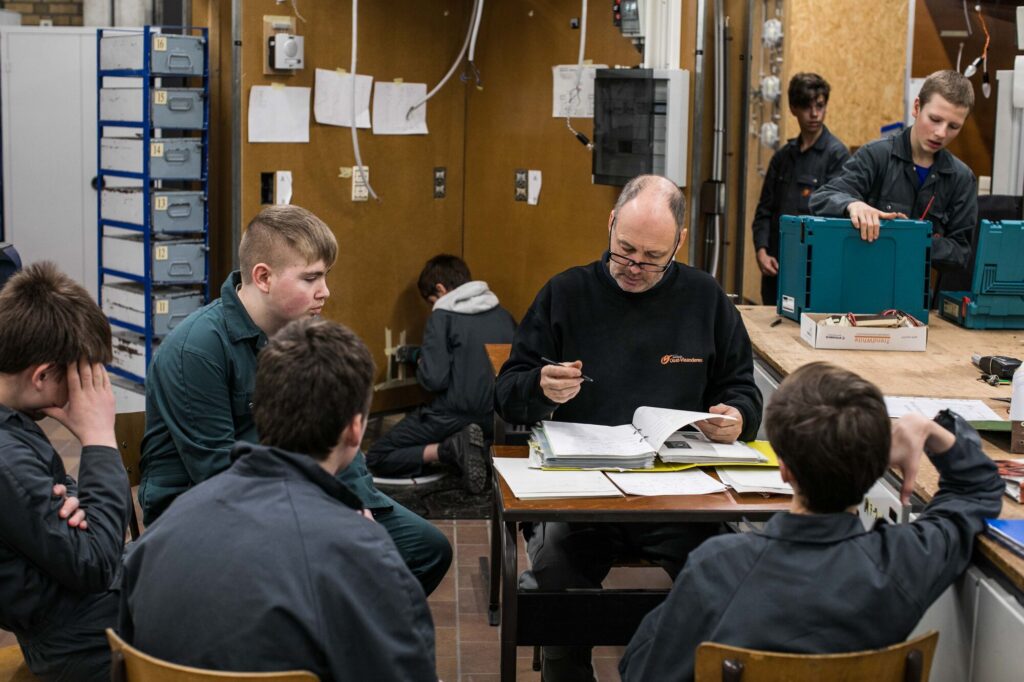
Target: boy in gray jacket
[452,363]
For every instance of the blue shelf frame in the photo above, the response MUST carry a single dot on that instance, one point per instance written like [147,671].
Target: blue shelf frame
[146,228]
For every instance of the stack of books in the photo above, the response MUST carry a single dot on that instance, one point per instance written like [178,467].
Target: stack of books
[1012,471]
[1008,532]
[629,446]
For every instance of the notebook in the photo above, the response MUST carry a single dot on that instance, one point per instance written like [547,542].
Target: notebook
[1010,532]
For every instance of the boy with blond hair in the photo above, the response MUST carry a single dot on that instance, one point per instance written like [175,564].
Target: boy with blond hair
[56,567]
[199,387]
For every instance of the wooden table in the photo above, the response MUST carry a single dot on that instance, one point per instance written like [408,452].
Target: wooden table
[571,617]
[944,370]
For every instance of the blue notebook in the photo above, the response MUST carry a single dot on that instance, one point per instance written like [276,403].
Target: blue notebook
[1009,532]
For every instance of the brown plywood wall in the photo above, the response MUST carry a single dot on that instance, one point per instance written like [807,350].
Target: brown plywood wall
[515,246]
[384,244]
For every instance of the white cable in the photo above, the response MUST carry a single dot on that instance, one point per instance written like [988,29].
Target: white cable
[458,60]
[476,30]
[577,90]
[295,6]
[352,70]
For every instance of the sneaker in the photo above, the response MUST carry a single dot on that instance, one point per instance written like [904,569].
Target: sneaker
[465,451]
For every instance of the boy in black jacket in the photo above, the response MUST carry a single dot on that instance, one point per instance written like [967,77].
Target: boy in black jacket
[56,566]
[804,583]
[453,364]
[274,564]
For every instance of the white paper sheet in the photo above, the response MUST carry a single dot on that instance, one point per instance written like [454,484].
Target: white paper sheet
[971,410]
[754,480]
[691,482]
[391,102]
[278,114]
[658,423]
[563,90]
[527,483]
[332,99]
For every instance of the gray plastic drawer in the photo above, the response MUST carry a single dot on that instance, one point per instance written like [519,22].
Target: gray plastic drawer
[169,306]
[174,108]
[173,212]
[170,158]
[129,351]
[174,260]
[172,55]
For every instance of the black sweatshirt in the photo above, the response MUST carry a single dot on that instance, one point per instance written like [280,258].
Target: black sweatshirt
[680,345]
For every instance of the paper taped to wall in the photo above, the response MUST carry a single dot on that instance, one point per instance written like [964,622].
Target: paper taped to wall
[332,99]
[278,114]
[564,97]
[391,102]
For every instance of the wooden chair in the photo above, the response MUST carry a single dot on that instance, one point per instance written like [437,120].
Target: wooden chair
[129,427]
[12,666]
[909,661]
[128,664]
[504,433]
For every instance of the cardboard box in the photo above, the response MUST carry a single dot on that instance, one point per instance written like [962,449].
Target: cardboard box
[860,338]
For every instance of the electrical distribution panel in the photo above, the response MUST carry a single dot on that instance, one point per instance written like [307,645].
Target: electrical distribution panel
[641,124]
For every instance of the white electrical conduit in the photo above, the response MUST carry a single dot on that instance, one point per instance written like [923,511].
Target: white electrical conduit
[352,70]
[474,22]
[718,148]
[577,91]
[476,29]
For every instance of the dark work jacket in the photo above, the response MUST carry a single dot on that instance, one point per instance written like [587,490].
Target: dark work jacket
[792,176]
[269,566]
[52,574]
[882,175]
[199,403]
[820,583]
[680,345]
[453,361]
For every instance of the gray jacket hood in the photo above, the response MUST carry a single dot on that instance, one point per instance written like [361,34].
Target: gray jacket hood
[468,299]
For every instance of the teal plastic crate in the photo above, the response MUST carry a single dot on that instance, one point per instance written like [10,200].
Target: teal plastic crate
[996,298]
[825,267]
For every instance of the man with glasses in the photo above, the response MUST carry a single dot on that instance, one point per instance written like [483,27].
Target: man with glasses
[647,331]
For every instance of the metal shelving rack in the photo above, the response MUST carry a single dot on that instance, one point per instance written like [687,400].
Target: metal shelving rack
[154,39]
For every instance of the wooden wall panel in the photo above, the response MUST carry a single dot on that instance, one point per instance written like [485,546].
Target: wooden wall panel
[383,245]
[514,246]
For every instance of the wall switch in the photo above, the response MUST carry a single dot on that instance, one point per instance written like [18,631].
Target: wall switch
[533,187]
[440,182]
[282,187]
[359,179]
[520,184]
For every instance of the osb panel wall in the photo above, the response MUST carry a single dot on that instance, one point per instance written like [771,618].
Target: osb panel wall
[383,245]
[861,50]
[975,143]
[514,246]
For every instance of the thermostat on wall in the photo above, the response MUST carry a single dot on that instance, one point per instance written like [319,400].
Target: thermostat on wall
[285,51]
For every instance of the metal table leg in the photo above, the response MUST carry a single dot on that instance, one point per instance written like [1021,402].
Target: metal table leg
[509,602]
[494,576]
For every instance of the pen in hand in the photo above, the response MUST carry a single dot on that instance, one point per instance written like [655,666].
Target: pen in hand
[548,361]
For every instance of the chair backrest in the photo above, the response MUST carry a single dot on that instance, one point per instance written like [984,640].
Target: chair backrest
[498,353]
[128,664]
[909,661]
[129,427]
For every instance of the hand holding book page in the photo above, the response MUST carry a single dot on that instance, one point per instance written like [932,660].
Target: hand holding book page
[722,430]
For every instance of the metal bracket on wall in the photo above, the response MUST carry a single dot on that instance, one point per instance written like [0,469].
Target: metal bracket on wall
[440,182]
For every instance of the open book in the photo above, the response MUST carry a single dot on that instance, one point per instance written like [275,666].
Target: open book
[629,446]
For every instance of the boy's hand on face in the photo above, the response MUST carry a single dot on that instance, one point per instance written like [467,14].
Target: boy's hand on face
[868,219]
[722,430]
[911,434]
[70,510]
[89,414]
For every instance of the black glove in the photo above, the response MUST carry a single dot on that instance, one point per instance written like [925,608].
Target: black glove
[410,354]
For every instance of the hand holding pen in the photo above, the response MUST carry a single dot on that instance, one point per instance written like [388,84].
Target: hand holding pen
[559,381]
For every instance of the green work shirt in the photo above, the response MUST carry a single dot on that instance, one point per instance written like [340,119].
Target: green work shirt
[199,403]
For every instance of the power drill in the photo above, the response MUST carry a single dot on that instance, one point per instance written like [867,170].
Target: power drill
[996,367]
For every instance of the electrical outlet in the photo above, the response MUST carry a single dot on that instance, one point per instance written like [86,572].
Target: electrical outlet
[440,181]
[520,184]
[359,180]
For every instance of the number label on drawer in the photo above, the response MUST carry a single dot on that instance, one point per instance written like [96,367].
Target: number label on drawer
[160,43]
[161,253]
[160,203]
[160,97]
[163,306]
[156,149]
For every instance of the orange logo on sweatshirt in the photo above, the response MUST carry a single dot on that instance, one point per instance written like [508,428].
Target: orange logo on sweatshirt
[675,359]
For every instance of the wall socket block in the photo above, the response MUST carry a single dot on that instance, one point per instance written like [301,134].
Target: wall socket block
[520,184]
[440,182]
[359,190]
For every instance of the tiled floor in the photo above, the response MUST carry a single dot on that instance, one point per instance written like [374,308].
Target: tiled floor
[466,646]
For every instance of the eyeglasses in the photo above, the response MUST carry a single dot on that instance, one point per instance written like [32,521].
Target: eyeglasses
[629,262]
